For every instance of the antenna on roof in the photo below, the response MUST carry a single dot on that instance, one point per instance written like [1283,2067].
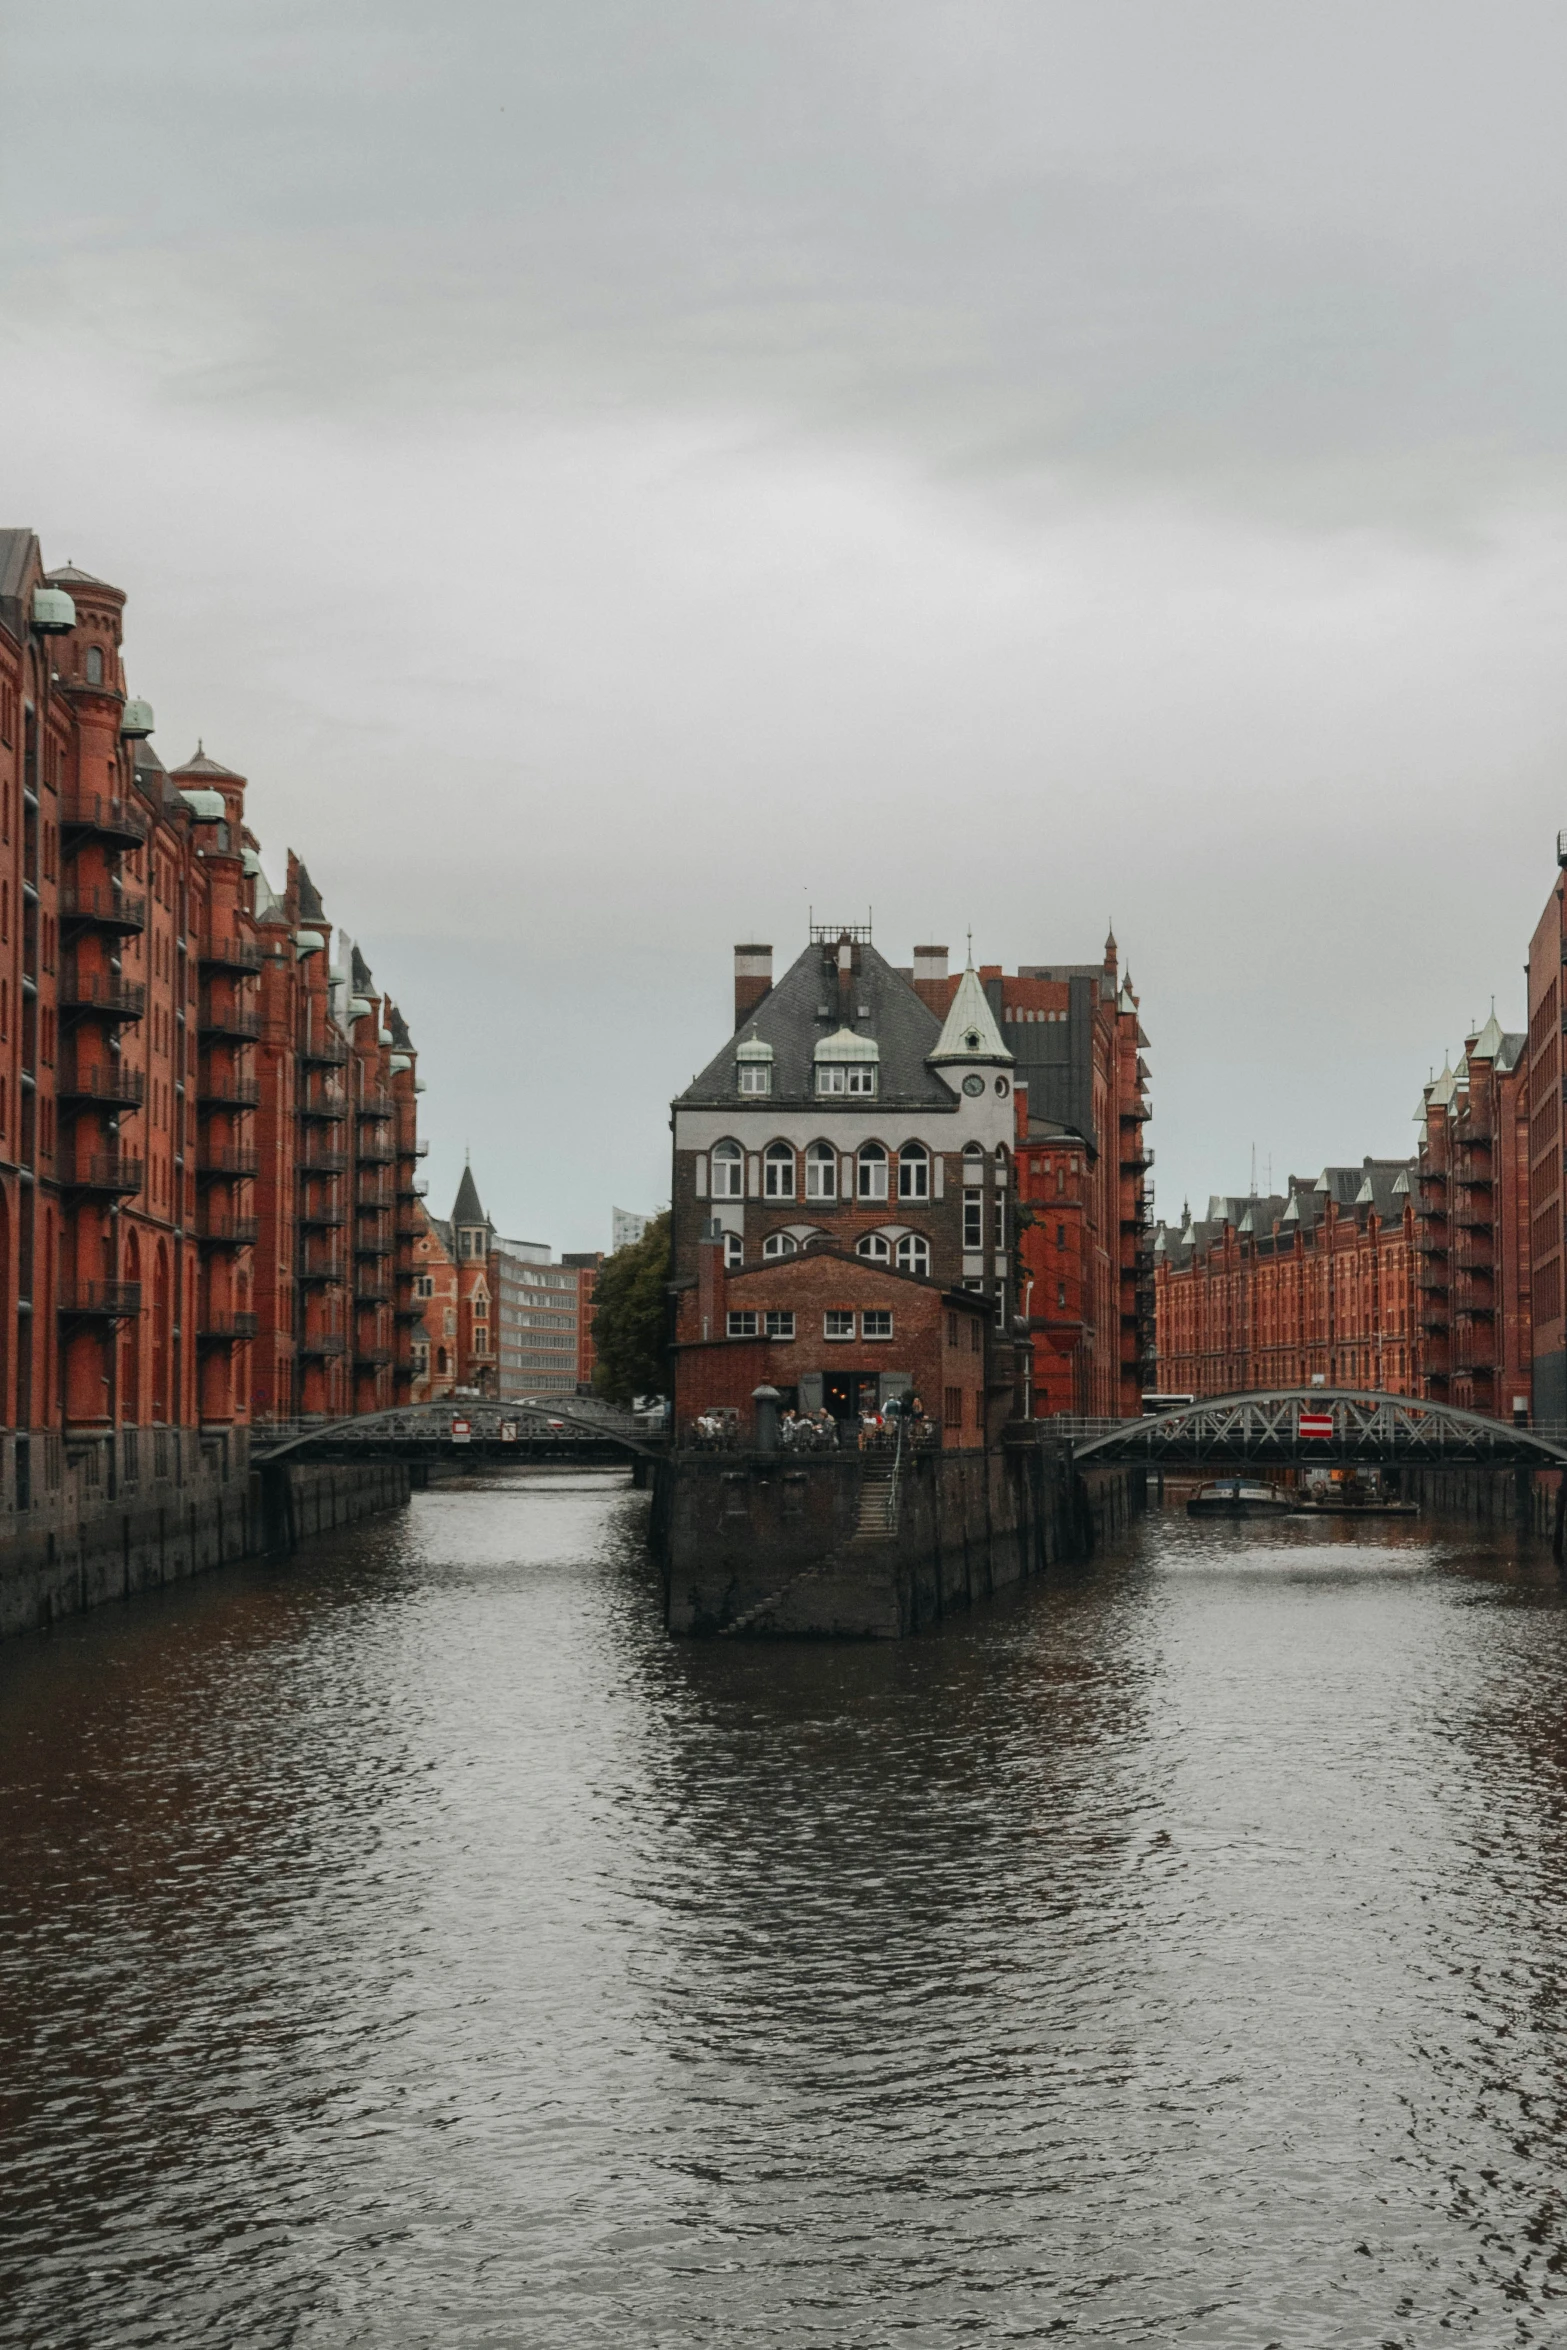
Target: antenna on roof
[1254,1170]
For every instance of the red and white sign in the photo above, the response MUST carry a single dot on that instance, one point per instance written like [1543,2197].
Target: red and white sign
[462,1432]
[1315,1424]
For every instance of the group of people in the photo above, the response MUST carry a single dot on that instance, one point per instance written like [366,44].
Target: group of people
[819,1431]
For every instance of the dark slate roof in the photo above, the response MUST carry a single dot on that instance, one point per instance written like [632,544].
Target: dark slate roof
[443,1233]
[359,972]
[72,575]
[18,554]
[466,1208]
[310,906]
[1054,1058]
[792,1020]
[201,764]
[399,1028]
[1513,1043]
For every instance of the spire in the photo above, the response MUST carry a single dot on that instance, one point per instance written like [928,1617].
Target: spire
[970,1032]
[466,1209]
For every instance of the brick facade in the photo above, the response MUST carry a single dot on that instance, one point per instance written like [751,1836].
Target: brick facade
[827,1327]
[155,1059]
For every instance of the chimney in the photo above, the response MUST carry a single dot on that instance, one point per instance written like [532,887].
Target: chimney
[845,983]
[710,1280]
[753,980]
[930,979]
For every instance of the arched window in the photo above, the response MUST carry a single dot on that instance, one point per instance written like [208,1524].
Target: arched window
[734,1251]
[779,1244]
[821,1171]
[873,1171]
[778,1170]
[913,1171]
[913,1253]
[728,1171]
[95,665]
[874,1246]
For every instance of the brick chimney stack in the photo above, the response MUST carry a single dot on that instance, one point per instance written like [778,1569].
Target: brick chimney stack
[930,979]
[845,983]
[753,980]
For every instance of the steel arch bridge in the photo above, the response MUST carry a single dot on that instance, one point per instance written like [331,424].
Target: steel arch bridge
[420,1430]
[1262,1431]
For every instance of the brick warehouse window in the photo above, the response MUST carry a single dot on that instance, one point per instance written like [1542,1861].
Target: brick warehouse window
[952,1406]
[779,1244]
[913,1254]
[780,1325]
[821,1171]
[734,1251]
[728,1171]
[876,1323]
[836,1324]
[873,1171]
[742,1325]
[974,1220]
[874,1247]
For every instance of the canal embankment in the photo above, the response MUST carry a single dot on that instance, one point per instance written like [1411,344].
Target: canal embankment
[854,1546]
[87,1529]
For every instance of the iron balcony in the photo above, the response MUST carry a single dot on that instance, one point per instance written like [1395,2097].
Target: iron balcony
[328,1109]
[324,1216]
[375,1105]
[95,991]
[229,1231]
[229,1093]
[107,1082]
[226,1159]
[232,954]
[229,1020]
[103,1171]
[100,1301]
[221,1326]
[324,1052]
[323,1343]
[314,1160]
[107,908]
[111,818]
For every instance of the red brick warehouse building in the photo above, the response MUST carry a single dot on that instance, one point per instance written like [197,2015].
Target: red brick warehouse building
[166,1059]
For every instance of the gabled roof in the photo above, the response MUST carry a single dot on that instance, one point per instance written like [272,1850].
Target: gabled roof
[359,972]
[1488,1043]
[803,1008]
[310,906]
[399,1028]
[969,1032]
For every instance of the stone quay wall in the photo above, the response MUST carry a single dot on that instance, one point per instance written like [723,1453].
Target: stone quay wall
[193,1503]
[771,1545]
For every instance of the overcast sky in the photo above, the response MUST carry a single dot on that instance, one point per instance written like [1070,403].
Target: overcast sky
[618,476]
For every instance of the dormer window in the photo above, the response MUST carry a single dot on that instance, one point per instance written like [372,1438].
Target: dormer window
[846,1064]
[754,1067]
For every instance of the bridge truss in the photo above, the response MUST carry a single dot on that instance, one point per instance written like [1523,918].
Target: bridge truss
[421,1429]
[1368,1429]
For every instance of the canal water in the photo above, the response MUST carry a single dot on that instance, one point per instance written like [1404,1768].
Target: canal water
[407,1945]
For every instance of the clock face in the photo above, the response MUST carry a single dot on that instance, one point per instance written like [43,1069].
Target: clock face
[974,1084]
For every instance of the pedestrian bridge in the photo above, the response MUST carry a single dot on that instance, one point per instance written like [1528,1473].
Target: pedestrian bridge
[1264,1430]
[578,1428]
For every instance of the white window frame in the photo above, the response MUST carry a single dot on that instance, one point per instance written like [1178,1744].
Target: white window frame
[778,1322]
[846,1077]
[740,1322]
[837,1314]
[778,1162]
[821,1161]
[779,1244]
[872,1316]
[973,1219]
[913,1171]
[755,1077]
[727,1172]
[734,1250]
[912,1246]
[870,1158]
[875,1248]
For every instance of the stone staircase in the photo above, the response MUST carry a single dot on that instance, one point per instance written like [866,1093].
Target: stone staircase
[876,1521]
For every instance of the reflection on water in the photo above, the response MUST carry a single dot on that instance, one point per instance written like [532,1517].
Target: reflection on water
[410,1946]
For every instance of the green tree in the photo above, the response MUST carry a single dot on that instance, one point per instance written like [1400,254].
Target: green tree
[630,1323]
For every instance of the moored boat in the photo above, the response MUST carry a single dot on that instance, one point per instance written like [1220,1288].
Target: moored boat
[1241,1497]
